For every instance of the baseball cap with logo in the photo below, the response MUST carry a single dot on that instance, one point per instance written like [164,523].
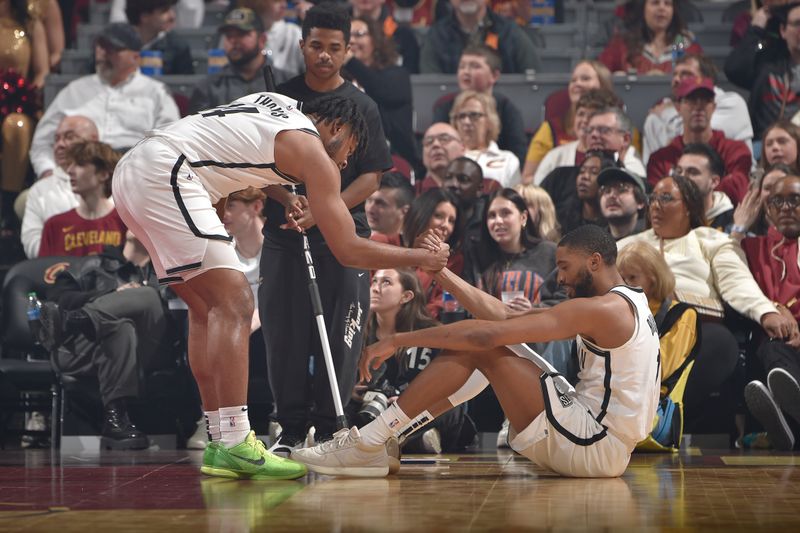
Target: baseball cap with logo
[693,85]
[121,36]
[244,19]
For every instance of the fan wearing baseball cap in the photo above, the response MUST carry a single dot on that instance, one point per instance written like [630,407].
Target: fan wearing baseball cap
[696,105]
[622,201]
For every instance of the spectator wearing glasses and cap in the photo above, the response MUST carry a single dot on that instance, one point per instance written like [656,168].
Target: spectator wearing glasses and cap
[108,98]
[243,39]
[696,105]
[623,201]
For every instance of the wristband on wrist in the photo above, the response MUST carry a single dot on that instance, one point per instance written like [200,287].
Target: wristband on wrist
[738,228]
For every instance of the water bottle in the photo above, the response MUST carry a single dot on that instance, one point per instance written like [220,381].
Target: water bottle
[34,315]
[449,303]
[678,49]
[151,62]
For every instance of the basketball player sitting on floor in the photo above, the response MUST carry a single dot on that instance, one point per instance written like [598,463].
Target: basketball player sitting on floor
[589,434]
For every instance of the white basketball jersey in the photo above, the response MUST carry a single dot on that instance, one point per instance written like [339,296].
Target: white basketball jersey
[621,386]
[232,147]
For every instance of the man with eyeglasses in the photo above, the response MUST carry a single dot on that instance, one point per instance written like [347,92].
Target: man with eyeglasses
[440,145]
[664,123]
[696,105]
[703,165]
[768,71]
[608,130]
[622,202]
[773,260]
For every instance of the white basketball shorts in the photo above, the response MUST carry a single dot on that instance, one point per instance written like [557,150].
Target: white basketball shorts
[567,439]
[166,206]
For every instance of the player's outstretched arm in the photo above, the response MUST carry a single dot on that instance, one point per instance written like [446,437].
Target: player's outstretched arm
[592,317]
[480,304]
[322,180]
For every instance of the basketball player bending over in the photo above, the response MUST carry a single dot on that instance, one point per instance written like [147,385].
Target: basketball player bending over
[590,434]
[165,188]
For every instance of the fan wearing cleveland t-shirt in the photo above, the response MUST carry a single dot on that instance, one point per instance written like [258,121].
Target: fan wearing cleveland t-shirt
[95,223]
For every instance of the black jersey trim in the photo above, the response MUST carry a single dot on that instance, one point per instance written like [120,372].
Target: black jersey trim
[176,191]
[266,166]
[169,280]
[184,268]
[606,355]
[580,441]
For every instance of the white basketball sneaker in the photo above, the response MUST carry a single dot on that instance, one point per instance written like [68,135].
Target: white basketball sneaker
[345,455]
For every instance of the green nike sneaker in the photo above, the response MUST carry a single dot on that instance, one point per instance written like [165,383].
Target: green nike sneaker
[249,460]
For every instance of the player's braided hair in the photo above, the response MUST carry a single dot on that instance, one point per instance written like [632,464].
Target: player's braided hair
[340,111]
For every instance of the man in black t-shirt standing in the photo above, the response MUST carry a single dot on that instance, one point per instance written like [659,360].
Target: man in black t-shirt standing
[302,393]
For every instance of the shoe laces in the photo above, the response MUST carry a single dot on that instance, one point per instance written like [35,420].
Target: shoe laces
[340,439]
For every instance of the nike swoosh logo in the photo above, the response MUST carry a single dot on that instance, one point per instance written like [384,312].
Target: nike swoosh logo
[361,274]
[67,229]
[260,462]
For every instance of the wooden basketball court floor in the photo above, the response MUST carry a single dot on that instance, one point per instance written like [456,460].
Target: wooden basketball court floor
[159,491]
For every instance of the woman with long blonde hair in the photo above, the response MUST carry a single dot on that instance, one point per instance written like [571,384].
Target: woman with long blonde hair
[541,210]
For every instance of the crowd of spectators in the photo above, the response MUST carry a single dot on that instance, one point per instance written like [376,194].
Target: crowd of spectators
[704,192]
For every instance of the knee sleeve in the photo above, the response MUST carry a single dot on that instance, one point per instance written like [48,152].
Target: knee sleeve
[474,385]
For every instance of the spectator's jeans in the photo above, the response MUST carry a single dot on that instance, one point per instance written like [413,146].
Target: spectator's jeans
[129,326]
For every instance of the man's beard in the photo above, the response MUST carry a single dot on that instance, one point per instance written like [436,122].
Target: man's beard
[247,56]
[619,220]
[332,146]
[104,70]
[584,288]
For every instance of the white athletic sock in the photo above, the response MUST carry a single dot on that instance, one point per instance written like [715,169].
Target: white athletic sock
[234,425]
[389,424]
[212,425]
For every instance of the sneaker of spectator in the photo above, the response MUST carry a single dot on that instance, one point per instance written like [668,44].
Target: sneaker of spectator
[663,123]
[470,22]
[440,145]
[696,106]
[474,116]
[243,40]
[623,201]
[52,196]
[107,99]
[703,165]
[765,409]
[154,21]
[479,70]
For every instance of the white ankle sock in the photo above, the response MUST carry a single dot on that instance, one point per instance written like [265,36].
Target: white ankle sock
[212,425]
[234,425]
[389,424]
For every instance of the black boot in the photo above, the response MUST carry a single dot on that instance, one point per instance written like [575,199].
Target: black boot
[119,433]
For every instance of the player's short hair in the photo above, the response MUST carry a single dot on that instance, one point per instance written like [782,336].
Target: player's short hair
[340,111]
[592,239]
[101,155]
[248,195]
[327,16]
[135,10]
[715,162]
[403,191]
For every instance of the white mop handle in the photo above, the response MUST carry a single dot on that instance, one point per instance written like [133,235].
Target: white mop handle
[326,353]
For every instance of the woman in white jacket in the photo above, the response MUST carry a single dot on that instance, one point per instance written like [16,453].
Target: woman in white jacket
[710,270]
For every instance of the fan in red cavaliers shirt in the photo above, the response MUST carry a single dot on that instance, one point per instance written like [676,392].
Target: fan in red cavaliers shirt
[95,223]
